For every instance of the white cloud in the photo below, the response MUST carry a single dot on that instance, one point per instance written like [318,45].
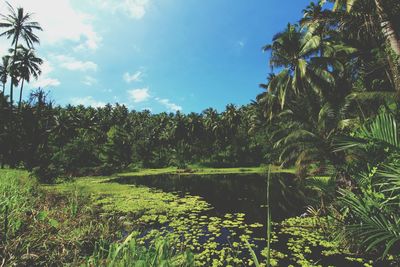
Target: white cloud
[139,95]
[87,101]
[134,77]
[44,80]
[241,43]
[70,63]
[136,8]
[169,105]
[143,95]
[60,21]
[89,80]
[133,8]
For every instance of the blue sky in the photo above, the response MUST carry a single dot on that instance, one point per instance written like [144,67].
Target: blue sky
[162,55]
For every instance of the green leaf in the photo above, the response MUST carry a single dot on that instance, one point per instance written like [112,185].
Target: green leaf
[42,215]
[54,223]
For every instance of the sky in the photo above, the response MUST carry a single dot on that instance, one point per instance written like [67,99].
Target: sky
[160,55]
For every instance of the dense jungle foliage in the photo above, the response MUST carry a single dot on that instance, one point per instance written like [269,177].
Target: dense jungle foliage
[330,107]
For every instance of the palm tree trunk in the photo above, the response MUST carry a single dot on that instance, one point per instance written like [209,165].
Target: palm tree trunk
[12,74]
[20,95]
[392,39]
[4,87]
[388,28]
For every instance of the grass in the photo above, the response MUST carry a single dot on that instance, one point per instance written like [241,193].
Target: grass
[15,200]
[44,228]
[130,253]
[269,219]
[205,171]
[56,226]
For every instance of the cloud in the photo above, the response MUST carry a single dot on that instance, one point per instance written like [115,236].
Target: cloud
[148,109]
[134,77]
[139,95]
[60,22]
[87,101]
[241,43]
[89,80]
[44,80]
[136,8]
[169,105]
[143,95]
[133,8]
[70,63]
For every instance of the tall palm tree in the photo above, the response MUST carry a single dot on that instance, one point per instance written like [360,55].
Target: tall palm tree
[293,51]
[386,25]
[307,63]
[210,119]
[4,71]
[28,65]
[18,24]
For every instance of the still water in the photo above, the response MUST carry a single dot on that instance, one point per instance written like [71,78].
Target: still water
[236,193]
[233,193]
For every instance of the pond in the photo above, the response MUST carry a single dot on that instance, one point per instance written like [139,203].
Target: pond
[246,194]
[232,193]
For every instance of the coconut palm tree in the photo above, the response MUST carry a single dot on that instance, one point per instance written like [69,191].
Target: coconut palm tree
[19,25]
[210,119]
[293,51]
[4,71]
[385,24]
[28,65]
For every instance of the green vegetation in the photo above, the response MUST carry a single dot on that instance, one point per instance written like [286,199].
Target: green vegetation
[185,222]
[129,253]
[329,113]
[196,170]
[16,192]
[29,214]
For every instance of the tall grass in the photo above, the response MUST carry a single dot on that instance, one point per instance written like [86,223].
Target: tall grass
[269,222]
[130,253]
[15,200]
[269,225]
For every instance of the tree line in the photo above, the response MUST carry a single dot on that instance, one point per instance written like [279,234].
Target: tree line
[78,140]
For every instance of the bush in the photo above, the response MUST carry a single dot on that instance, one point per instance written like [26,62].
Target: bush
[45,174]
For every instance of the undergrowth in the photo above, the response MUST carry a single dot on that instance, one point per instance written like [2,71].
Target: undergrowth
[44,228]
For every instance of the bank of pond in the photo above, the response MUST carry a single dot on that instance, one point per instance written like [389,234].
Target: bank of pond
[155,217]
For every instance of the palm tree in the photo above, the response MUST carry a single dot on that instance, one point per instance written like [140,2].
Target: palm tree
[210,119]
[293,51]
[28,65]
[4,70]
[19,24]
[386,26]
[374,223]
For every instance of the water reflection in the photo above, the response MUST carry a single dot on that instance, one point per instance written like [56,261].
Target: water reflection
[233,193]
